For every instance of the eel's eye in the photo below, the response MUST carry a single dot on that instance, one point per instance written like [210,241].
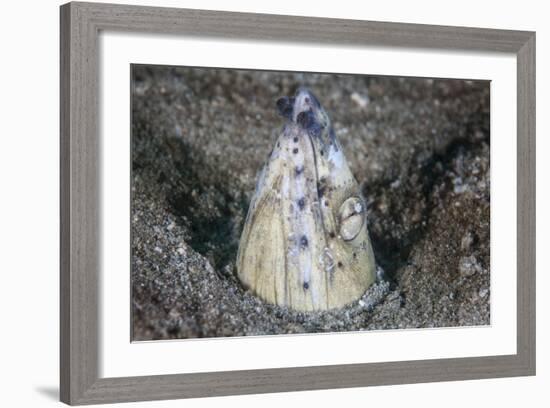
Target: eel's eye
[352,217]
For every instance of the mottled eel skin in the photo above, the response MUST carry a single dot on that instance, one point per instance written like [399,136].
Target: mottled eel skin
[305,243]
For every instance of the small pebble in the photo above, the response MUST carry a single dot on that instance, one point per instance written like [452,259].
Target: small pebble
[466,241]
[468,266]
[395,184]
[361,100]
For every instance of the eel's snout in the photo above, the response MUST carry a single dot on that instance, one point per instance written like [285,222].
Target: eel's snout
[305,101]
[304,110]
[290,107]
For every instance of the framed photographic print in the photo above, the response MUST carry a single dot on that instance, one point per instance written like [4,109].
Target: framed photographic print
[324,189]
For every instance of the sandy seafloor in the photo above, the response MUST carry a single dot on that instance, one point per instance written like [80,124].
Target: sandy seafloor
[419,149]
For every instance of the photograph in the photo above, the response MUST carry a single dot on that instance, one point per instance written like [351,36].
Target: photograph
[282,203]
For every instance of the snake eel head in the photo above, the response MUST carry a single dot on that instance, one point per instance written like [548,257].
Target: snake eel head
[305,243]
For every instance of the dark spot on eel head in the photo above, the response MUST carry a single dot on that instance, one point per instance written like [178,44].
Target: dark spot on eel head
[303,241]
[285,106]
[301,203]
[331,234]
[305,119]
[322,152]
[299,170]
[295,150]
[295,140]
[340,264]
[306,286]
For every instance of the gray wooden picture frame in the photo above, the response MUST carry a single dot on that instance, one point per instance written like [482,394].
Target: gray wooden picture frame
[81,24]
